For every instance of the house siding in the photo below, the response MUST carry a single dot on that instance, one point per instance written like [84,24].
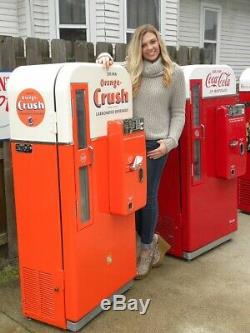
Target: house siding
[108,18]
[8,18]
[22,18]
[40,18]
[234,39]
[169,17]
[235,35]
[189,23]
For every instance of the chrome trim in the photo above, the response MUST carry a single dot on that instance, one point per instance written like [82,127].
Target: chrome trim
[196,253]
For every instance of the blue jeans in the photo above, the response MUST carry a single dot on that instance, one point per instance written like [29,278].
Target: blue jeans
[146,217]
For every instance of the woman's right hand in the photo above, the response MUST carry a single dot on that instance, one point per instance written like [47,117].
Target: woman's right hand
[105,59]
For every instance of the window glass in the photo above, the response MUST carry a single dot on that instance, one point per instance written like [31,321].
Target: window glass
[72,12]
[84,194]
[196,105]
[197,160]
[73,34]
[72,20]
[82,143]
[81,119]
[142,12]
[212,48]
[211,22]
[211,31]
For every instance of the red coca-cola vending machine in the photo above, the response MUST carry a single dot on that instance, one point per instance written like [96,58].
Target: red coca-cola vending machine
[198,191]
[244,181]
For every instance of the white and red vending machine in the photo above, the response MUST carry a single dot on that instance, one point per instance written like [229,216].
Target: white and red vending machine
[79,175]
[244,181]
[198,191]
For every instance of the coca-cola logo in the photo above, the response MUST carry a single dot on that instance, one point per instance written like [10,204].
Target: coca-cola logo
[218,79]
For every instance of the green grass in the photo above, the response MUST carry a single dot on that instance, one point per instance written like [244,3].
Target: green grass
[8,274]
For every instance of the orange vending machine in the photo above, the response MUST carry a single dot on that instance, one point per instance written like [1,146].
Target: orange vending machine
[79,176]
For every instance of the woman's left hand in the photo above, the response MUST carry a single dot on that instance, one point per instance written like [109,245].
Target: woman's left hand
[158,152]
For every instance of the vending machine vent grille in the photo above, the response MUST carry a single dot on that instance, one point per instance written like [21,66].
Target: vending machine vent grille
[38,293]
[244,192]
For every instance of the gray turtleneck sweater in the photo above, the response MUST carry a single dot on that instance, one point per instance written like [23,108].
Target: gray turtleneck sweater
[163,108]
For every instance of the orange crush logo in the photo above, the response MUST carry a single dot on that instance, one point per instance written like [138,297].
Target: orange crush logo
[116,97]
[30,107]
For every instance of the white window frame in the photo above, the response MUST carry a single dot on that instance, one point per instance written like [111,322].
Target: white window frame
[217,9]
[89,26]
[127,30]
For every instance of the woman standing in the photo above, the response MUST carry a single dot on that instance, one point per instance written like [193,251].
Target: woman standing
[159,97]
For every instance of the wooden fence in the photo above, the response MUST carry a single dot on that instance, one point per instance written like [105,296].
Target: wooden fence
[15,52]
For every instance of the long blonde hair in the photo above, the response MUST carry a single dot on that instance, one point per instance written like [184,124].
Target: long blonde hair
[135,61]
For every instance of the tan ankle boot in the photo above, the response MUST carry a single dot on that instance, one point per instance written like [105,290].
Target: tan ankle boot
[162,247]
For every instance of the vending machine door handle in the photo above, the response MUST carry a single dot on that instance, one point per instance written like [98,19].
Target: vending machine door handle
[203,131]
[234,143]
[137,163]
[91,152]
[242,148]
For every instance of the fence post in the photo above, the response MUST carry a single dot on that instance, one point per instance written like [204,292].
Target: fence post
[183,56]
[7,53]
[172,52]
[206,56]
[37,51]
[120,52]
[61,51]
[195,56]
[83,51]
[104,47]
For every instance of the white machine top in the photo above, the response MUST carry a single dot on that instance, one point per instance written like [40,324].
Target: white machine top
[40,100]
[244,84]
[217,80]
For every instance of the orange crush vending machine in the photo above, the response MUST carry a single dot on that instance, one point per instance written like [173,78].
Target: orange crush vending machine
[198,191]
[244,181]
[79,175]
